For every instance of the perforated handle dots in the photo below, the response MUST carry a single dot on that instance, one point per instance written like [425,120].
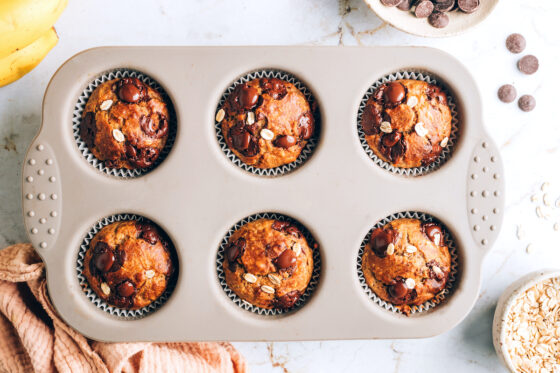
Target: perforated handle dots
[41,195]
[485,189]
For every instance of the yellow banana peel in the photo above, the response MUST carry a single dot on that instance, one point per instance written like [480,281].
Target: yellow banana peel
[24,60]
[24,21]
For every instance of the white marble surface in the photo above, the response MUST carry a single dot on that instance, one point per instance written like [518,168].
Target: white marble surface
[529,142]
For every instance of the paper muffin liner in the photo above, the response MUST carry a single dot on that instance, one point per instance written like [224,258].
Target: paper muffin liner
[313,282]
[306,152]
[94,298]
[77,120]
[442,295]
[446,152]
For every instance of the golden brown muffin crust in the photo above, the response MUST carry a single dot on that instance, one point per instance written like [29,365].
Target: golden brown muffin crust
[268,263]
[391,118]
[273,105]
[125,123]
[407,262]
[128,264]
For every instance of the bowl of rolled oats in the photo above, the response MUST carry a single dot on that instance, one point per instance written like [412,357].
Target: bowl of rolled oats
[526,329]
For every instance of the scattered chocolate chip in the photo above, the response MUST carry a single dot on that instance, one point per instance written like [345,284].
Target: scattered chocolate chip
[104,260]
[88,129]
[379,241]
[141,157]
[235,249]
[434,232]
[126,289]
[516,43]
[391,139]
[405,4]
[398,289]
[285,141]
[527,102]
[438,19]
[391,2]
[150,234]
[507,93]
[288,300]
[279,225]
[293,231]
[285,260]
[528,64]
[371,119]
[253,148]
[152,128]
[424,9]
[246,96]
[274,87]
[444,5]
[394,94]
[131,90]
[468,6]
[240,137]
[306,125]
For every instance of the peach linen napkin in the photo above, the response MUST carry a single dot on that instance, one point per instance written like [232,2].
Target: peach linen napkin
[34,339]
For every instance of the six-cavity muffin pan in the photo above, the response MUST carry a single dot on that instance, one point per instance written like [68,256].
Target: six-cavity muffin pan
[196,195]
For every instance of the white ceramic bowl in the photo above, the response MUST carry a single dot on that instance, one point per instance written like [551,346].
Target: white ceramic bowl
[504,306]
[459,22]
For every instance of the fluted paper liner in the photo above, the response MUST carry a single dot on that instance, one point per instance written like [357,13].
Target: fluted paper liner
[259,310]
[446,152]
[440,297]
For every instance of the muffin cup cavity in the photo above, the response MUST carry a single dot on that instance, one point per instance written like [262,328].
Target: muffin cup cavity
[306,152]
[259,310]
[102,304]
[447,151]
[441,296]
[77,120]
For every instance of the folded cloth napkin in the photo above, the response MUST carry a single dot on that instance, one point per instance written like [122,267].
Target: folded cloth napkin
[34,338]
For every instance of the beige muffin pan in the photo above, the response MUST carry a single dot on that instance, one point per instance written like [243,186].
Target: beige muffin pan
[197,193]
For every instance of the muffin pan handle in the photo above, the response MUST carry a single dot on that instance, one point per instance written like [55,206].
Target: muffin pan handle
[41,192]
[485,188]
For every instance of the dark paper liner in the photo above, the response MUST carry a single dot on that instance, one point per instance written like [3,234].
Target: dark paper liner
[77,120]
[94,298]
[316,274]
[447,151]
[306,152]
[441,296]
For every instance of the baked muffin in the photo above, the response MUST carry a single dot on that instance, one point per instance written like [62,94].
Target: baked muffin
[267,122]
[129,264]
[407,262]
[407,123]
[125,124]
[268,263]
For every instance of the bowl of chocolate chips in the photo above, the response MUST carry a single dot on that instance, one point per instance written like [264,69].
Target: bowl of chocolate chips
[432,18]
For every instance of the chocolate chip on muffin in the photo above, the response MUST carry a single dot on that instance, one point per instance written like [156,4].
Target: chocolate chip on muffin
[266,122]
[129,264]
[268,263]
[407,262]
[125,124]
[407,123]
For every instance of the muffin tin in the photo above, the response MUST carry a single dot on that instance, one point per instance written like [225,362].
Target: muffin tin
[197,194]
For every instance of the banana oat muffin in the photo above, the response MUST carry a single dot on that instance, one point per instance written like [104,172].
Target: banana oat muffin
[129,264]
[267,122]
[407,123]
[125,124]
[407,262]
[268,263]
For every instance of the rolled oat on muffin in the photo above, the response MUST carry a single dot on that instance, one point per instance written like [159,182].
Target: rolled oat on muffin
[407,262]
[268,263]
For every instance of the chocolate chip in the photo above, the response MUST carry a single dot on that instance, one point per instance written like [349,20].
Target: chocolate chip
[150,234]
[235,249]
[379,241]
[391,2]
[398,289]
[435,92]
[434,232]
[240,137]
[88,129]
[104,260]
[394,94]
[527,102]
[390,139]
[405,4]
[468,6]
[438,19]
[274,87]
[279,225]
[371,119]
[528,64]
[306,125]
[424,9]
[285,260]
[293,231]
[131,90]
[444,5]
[141,157]
[287,300]
[285,141]
[516,43]
[150,128]
[507,93]
[245,97]
[126,289]
[253,148]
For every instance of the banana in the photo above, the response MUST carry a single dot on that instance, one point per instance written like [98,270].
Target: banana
[24,21]
[24,60]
